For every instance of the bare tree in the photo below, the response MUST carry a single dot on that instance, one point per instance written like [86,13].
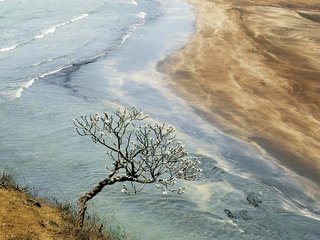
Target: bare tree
[140,154]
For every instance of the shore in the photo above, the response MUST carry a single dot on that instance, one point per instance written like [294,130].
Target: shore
[253,69]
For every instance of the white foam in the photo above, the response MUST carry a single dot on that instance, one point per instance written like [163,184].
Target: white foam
[40,63]
[126,36]
[79,17]
[23,86]
[17,93]
[141,22]
[133,2]
[5,49]
[46,32]
[142,15]
[54,28]
[288,205]
[50,30]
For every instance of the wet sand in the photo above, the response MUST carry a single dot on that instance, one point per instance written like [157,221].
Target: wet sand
[253,69]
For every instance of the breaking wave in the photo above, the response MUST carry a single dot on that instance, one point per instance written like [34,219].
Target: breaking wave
[42,62]
[44,33]
[141,21]
[5,49]
[16,93]
[74,66]
[54,28]
[131,2]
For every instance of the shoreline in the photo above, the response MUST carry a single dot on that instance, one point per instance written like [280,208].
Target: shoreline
[252,69]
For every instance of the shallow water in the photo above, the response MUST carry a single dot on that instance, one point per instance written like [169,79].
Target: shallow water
[56,73]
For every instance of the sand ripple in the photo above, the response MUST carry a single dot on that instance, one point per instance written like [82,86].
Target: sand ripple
[253,68]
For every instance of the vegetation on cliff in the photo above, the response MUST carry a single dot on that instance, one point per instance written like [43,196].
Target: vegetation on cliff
[27,217]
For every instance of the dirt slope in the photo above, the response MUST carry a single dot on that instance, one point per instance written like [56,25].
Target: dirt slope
[23,218]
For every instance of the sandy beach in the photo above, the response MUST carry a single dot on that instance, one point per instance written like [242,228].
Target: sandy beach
[253,69]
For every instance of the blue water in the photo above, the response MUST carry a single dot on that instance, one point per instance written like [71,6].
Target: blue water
[60,59]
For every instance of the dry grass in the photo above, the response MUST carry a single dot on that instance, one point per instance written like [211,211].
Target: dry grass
[25,217]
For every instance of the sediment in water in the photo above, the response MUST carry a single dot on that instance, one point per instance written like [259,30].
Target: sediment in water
[252,68]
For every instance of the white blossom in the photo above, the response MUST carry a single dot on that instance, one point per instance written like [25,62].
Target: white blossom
[161,159]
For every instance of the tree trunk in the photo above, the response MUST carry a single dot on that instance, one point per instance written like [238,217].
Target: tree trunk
[91,194]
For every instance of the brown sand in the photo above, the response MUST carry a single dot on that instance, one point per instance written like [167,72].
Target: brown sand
[253,68]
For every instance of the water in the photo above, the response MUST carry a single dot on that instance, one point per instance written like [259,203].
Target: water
[61,59]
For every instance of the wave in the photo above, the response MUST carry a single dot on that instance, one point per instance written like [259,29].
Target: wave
[141,17]
[42,62]
[5,49]
[74,66]
[131,2]
[52,30]
[18,92]
[48,60]
[44,32]
[78,18]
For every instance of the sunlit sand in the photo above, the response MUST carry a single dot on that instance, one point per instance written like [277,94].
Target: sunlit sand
[253,68]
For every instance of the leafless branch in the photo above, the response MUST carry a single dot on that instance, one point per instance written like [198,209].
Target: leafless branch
[140,153]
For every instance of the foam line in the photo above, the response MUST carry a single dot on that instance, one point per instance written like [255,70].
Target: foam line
[5,49]
[54,28]
[72,67]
